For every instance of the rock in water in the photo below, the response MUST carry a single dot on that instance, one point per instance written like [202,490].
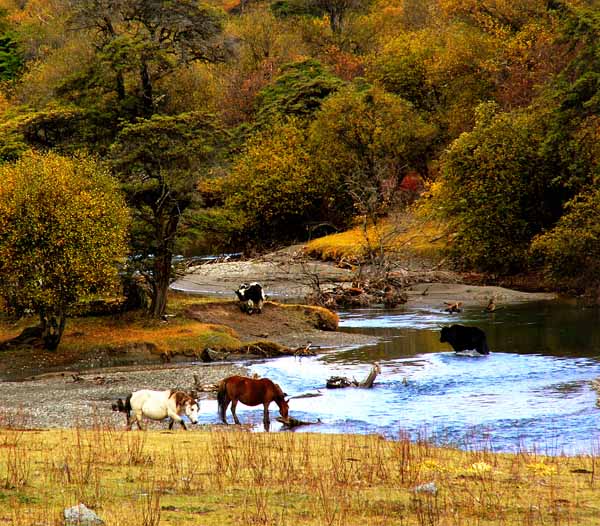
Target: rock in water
[81,515]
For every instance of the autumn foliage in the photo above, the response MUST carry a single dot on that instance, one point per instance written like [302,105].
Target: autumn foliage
[63,233]
[326,106]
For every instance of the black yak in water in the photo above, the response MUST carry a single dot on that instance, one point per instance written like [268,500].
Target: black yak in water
[464,339]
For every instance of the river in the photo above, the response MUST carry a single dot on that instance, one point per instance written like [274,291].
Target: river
[531,393]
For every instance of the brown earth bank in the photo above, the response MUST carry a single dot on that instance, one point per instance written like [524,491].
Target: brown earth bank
[292,326]
[280,327]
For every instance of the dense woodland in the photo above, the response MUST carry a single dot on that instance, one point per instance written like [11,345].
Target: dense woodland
[229,125]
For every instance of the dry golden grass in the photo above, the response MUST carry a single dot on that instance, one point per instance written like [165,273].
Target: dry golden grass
[403,234]
[321,317]
[180,335]
[177,336]
[227,476]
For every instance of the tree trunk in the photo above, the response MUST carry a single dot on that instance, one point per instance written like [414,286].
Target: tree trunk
[147,94]
[336,19]
[162,280]
[120,86]
[53,326]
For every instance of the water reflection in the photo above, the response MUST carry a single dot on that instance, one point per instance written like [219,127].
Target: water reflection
[533,390]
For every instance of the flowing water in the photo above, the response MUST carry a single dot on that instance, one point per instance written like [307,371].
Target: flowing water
[532,392]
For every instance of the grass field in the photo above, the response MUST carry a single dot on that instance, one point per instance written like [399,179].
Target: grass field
[225,476]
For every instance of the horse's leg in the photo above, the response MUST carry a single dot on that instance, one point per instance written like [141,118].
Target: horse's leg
[223,409]
[171,422]
[235,418]
[138,415]
[175,418]
[266,420]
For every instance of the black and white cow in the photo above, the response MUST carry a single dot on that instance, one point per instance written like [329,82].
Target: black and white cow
[251,296]
[465,340]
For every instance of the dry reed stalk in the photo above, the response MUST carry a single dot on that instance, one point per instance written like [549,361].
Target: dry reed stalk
[149,509]
[18,466]
[256,508]
[135,449]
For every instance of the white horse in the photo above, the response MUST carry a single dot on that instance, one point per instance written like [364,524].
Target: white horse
[158,405]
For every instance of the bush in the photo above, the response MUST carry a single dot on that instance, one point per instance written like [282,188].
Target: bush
[571,250]
[497,191]
[273,191]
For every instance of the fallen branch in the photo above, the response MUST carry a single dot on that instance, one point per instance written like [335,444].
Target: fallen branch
[306,395]
[290,422]
[337,382]
[204,388]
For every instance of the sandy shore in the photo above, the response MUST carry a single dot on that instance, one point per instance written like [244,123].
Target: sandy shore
[287,274]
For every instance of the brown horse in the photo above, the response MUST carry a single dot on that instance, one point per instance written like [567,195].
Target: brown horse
[250,391]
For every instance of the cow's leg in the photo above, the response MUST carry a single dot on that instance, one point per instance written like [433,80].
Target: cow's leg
[266,420]
[235,418]
[259,306]
[250,306]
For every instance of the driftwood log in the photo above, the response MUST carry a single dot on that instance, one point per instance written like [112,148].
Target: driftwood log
[204,388]
[386,291]
[291,422]
[337,382]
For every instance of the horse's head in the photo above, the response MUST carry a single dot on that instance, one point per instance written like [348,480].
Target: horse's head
[281,402]
[186,405]
[120,406]
[192,409]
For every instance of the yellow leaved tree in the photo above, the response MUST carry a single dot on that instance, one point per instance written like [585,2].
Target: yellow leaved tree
[63,230]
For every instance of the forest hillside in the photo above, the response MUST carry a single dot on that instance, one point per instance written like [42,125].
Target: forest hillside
[231,125]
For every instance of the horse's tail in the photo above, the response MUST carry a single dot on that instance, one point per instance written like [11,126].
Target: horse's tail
[221,398]
[127,405]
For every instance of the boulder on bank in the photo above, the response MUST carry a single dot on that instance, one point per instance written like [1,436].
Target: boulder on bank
[81,515]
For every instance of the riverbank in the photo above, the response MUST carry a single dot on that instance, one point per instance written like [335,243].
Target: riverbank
[289,274]
[76,384]
[83,399]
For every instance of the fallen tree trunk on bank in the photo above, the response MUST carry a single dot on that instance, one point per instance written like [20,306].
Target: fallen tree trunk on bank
[388,292]
[337,382]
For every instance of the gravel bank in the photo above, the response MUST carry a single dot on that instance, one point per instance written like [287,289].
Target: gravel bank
[60,401]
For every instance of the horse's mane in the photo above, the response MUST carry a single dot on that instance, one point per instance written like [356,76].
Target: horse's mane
[279,390]
[181,398]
